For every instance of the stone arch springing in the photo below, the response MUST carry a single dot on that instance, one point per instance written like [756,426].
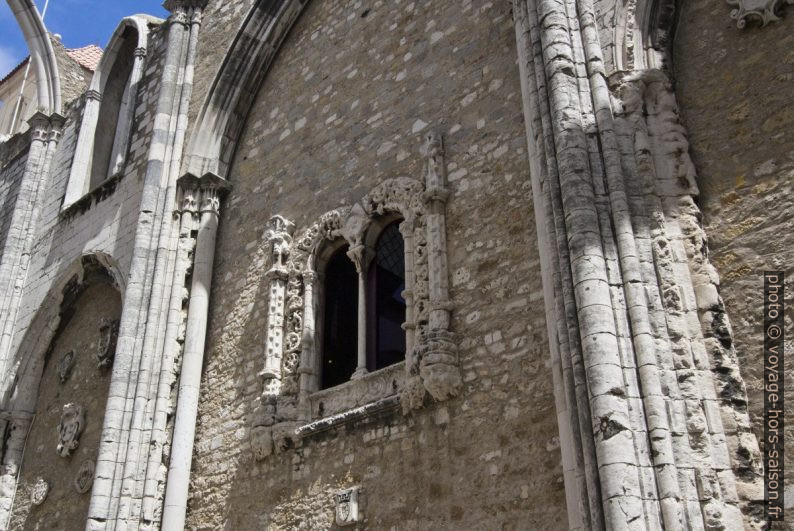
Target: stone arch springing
[110,106]
[217,131]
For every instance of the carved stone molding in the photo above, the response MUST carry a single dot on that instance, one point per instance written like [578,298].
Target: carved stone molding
[763,11]
[39,491]
[70,428]
[85,477]
[65,365]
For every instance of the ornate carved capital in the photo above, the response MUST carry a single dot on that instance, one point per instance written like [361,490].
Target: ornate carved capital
[763,11]
[206,190]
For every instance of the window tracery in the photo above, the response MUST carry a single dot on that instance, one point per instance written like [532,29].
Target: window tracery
[417,210]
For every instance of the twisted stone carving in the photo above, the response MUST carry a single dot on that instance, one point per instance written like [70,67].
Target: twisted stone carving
[70,428]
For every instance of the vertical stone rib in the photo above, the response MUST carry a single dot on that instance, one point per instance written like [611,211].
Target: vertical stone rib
[561,312]
[614,444]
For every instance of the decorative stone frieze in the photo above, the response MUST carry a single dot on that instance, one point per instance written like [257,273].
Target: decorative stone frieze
[106,346]
[431,364]
[762,11]
[70,428]
[65,365]
[39,491]
[85,477]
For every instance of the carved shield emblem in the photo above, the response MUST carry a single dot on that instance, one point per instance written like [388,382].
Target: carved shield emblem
[65,365]
[70,428]
[85,477]
[347,507]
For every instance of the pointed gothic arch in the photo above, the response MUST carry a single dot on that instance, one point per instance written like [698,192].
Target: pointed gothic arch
[42,54]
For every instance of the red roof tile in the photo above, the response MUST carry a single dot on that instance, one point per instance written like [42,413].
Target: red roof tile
[87,56]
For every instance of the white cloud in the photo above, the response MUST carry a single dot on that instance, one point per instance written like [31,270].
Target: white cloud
[8,60]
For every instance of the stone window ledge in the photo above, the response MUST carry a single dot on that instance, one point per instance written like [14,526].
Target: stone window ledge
[359,393]
[101,192]
[367,411]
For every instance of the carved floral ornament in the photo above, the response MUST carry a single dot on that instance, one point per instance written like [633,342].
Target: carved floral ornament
[431,361]
[763,11]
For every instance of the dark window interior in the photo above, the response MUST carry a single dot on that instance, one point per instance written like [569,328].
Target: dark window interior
[340,336]
[386,338]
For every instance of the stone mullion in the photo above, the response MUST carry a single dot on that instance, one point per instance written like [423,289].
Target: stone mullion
[546,186]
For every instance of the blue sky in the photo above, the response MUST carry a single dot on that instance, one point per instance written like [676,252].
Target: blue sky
[79,22]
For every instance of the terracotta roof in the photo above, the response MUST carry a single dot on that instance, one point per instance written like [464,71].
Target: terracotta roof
[87,56]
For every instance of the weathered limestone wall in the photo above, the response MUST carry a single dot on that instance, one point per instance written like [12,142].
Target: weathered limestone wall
[734,87]
[106,222]
[10,178]
[345,106]
[85,385]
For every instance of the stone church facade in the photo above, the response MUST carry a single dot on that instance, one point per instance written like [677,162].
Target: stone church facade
[397,264]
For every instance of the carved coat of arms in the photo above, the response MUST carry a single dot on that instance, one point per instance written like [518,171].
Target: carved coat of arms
[70,428]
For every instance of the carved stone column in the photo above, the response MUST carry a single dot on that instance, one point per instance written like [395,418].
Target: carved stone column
[307,366]
[361,257]
[210,188]
[279,238]
[439,357]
